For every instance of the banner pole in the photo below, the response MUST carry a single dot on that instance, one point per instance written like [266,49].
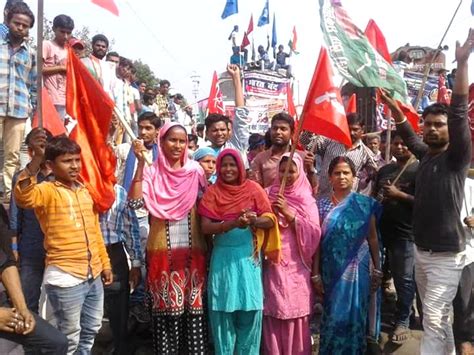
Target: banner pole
[39,63]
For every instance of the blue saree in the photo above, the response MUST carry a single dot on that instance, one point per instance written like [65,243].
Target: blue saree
[351,314]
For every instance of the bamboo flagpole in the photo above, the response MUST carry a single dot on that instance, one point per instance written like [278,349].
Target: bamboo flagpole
[39,63]
[428,67]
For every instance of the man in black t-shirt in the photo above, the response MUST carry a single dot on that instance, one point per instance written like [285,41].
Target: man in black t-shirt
[396,229]
[445,155]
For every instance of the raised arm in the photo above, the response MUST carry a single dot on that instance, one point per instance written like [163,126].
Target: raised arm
[459,149]
[240,124]
[28,194]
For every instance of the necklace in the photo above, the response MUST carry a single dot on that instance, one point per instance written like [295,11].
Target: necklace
[334,200]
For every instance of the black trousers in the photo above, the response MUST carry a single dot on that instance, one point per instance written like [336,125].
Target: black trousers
[44,339]
[116,297]
[463,304]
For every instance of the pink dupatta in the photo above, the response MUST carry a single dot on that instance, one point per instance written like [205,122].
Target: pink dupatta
[170,194]
[300,199]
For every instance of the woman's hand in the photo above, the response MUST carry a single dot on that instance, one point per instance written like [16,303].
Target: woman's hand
[281,206]
[317,282]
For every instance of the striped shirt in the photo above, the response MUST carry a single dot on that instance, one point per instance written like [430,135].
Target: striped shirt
[4,30]
[18,78]
[120,225]
[361,156]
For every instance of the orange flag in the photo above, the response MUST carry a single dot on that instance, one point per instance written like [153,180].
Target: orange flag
[109,5]
[214,103]
[323,111]
[51,120]
[377,40]
[90,105]
[352,104]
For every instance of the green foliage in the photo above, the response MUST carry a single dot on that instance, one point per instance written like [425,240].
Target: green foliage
[144,73]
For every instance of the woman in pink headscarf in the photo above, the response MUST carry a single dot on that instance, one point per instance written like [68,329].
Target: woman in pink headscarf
[176,250]
[287,286]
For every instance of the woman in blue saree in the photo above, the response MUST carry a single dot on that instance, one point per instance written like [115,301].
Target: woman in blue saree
[350,265]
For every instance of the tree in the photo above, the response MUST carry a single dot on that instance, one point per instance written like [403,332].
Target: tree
[144,73]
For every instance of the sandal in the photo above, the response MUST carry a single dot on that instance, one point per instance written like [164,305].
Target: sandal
[400,334]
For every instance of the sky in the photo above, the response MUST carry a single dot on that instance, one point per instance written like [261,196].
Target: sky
[179,39]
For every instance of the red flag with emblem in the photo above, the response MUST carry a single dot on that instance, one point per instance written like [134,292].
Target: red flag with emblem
[323,111]
[215,104]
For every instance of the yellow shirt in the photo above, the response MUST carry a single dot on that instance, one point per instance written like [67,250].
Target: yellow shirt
[72,237]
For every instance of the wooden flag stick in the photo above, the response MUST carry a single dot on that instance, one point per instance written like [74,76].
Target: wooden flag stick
[292,153]
[129,131]
[39,63]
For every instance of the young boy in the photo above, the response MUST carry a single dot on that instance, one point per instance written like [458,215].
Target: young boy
[55,57]
[75,252]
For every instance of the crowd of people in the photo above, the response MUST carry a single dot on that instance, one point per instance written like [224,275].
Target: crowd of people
[205,244]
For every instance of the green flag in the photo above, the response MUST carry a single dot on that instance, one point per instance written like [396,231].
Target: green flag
[352,54]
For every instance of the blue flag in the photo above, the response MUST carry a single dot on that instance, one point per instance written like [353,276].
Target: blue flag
[264,18]
[274,36]
[231,7]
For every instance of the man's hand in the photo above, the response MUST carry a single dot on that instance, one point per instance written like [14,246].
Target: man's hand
[139,149]
[469,221]
[38,143]
[463,52]
[134,277]
[234,71]
[390,191]
[392,104]
[309,162]
[107,277]
[9,319]
[27,324]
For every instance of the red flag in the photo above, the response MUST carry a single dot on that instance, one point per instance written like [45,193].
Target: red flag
[352,104]
[443,96]
[410,114]
[290,103]
[90,105]
[250,28]
[109,5]
[245,41]
[323,112]
[51,120]
[293,40]
[215,104]
[377,40]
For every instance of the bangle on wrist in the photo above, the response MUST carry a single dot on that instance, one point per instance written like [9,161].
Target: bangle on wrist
[402,121]
[315,278]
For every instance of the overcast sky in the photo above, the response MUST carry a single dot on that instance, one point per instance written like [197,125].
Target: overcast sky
[180,38]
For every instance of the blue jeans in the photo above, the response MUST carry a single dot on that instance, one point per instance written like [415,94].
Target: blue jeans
[402,263]
[44,339]
[78,312]
[138,296]
[31,275]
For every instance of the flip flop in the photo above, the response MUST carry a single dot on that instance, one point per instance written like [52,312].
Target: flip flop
[400,334]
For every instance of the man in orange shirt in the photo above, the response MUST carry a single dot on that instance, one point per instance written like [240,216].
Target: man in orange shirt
[75,252]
